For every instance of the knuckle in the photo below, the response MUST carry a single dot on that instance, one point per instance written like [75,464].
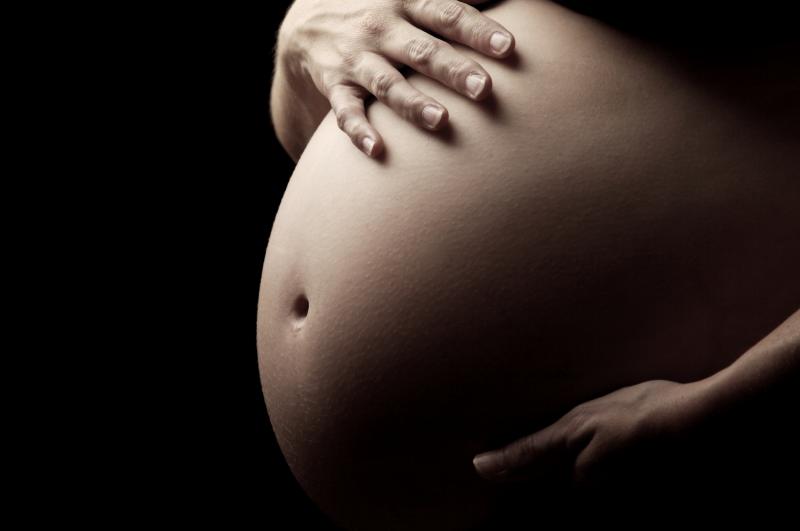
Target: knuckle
[413,104]
[579,431]
[350,59]
[381,83]
[577,422]
[451,15]
[456,70]
[530,444]
[326,81]
[372,23]
[573,438]
[347,118]
[420,51]
[355,138]
[342,118]
[553,440]
[510,455]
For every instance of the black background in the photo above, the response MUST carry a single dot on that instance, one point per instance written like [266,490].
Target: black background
[214,187]
[191,178]
[234,177]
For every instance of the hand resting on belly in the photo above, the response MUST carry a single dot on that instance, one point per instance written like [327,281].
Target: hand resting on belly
[610,215]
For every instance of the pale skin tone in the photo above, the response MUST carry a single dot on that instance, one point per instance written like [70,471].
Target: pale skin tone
[332,56]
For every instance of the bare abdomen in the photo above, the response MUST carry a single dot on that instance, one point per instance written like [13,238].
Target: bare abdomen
[610,216]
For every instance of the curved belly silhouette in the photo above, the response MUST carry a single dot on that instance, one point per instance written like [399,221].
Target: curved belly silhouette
[611,215]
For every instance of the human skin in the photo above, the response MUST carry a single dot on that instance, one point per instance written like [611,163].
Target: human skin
[614,214]
[332,55]
[594,441]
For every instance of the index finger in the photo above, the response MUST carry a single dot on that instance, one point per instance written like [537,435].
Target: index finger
[545,453]
[462,23]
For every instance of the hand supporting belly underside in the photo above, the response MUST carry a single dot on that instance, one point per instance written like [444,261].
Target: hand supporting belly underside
[611,215]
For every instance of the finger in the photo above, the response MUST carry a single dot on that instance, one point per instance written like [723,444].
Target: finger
[531,456]
[377,75]
[462,23]
[545,453]
[437,59]
[584,471]
[347,104]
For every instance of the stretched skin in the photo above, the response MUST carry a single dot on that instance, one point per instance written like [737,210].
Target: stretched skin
[615,213]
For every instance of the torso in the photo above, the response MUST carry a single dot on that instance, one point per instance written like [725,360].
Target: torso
[613,214]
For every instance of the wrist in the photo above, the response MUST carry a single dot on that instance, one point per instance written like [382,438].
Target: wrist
[286,25]
[289,54]
[706,398]
[685,407]
[287,59]
[296,105]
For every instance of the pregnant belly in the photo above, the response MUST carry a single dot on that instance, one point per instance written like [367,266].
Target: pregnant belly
[611,215]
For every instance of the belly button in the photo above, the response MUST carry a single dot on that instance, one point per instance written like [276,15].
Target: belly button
[299,310]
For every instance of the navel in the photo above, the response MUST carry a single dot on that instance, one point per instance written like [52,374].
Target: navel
[300,308]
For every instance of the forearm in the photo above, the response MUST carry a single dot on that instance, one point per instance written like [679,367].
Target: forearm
[770,363]
[732,429]
[296,106]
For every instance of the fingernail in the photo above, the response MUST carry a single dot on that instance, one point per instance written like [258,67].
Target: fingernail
[368,144]
[487,465]
[475,83]
[499,42]
[432,115]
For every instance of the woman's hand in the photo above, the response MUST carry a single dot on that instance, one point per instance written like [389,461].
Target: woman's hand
[353,48]
[598,437]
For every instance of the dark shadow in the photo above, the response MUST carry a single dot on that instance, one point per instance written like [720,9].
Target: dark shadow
[725,27]
[491,106]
